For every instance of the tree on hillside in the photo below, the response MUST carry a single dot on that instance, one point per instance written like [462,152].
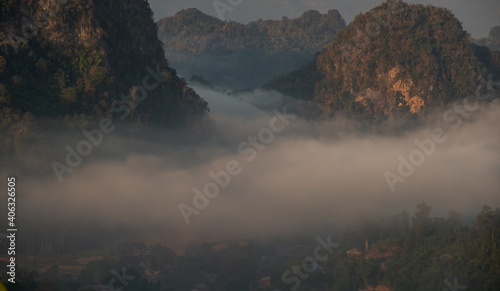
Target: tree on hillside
[488,220]
[421,222]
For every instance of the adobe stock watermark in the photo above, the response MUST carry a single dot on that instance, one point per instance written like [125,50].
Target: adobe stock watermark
[309,265]
[372,29]
[454,287]
[94,137]
[427,147]
[221,179]
[222,7]
[117,278]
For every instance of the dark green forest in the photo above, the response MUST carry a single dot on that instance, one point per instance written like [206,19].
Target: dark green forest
[397,252]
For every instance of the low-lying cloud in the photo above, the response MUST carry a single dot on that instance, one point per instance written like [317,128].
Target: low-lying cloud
[312,174]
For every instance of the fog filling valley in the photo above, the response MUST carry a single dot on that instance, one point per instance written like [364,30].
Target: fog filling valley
[310,175]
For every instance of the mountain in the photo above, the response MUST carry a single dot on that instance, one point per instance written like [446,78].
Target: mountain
[244,55]
[493,39]
[397,60]
[76,57]
[77,62]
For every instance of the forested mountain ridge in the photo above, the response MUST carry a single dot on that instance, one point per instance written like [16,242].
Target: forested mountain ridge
[81,61]
[239,55]
[394,61]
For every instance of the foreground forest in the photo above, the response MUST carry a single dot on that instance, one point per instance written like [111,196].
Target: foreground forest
[397,252]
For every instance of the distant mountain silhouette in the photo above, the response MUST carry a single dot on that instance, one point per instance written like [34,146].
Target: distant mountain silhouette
[244,55]
[493,39]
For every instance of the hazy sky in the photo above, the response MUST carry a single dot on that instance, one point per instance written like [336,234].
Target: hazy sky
[477,16]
